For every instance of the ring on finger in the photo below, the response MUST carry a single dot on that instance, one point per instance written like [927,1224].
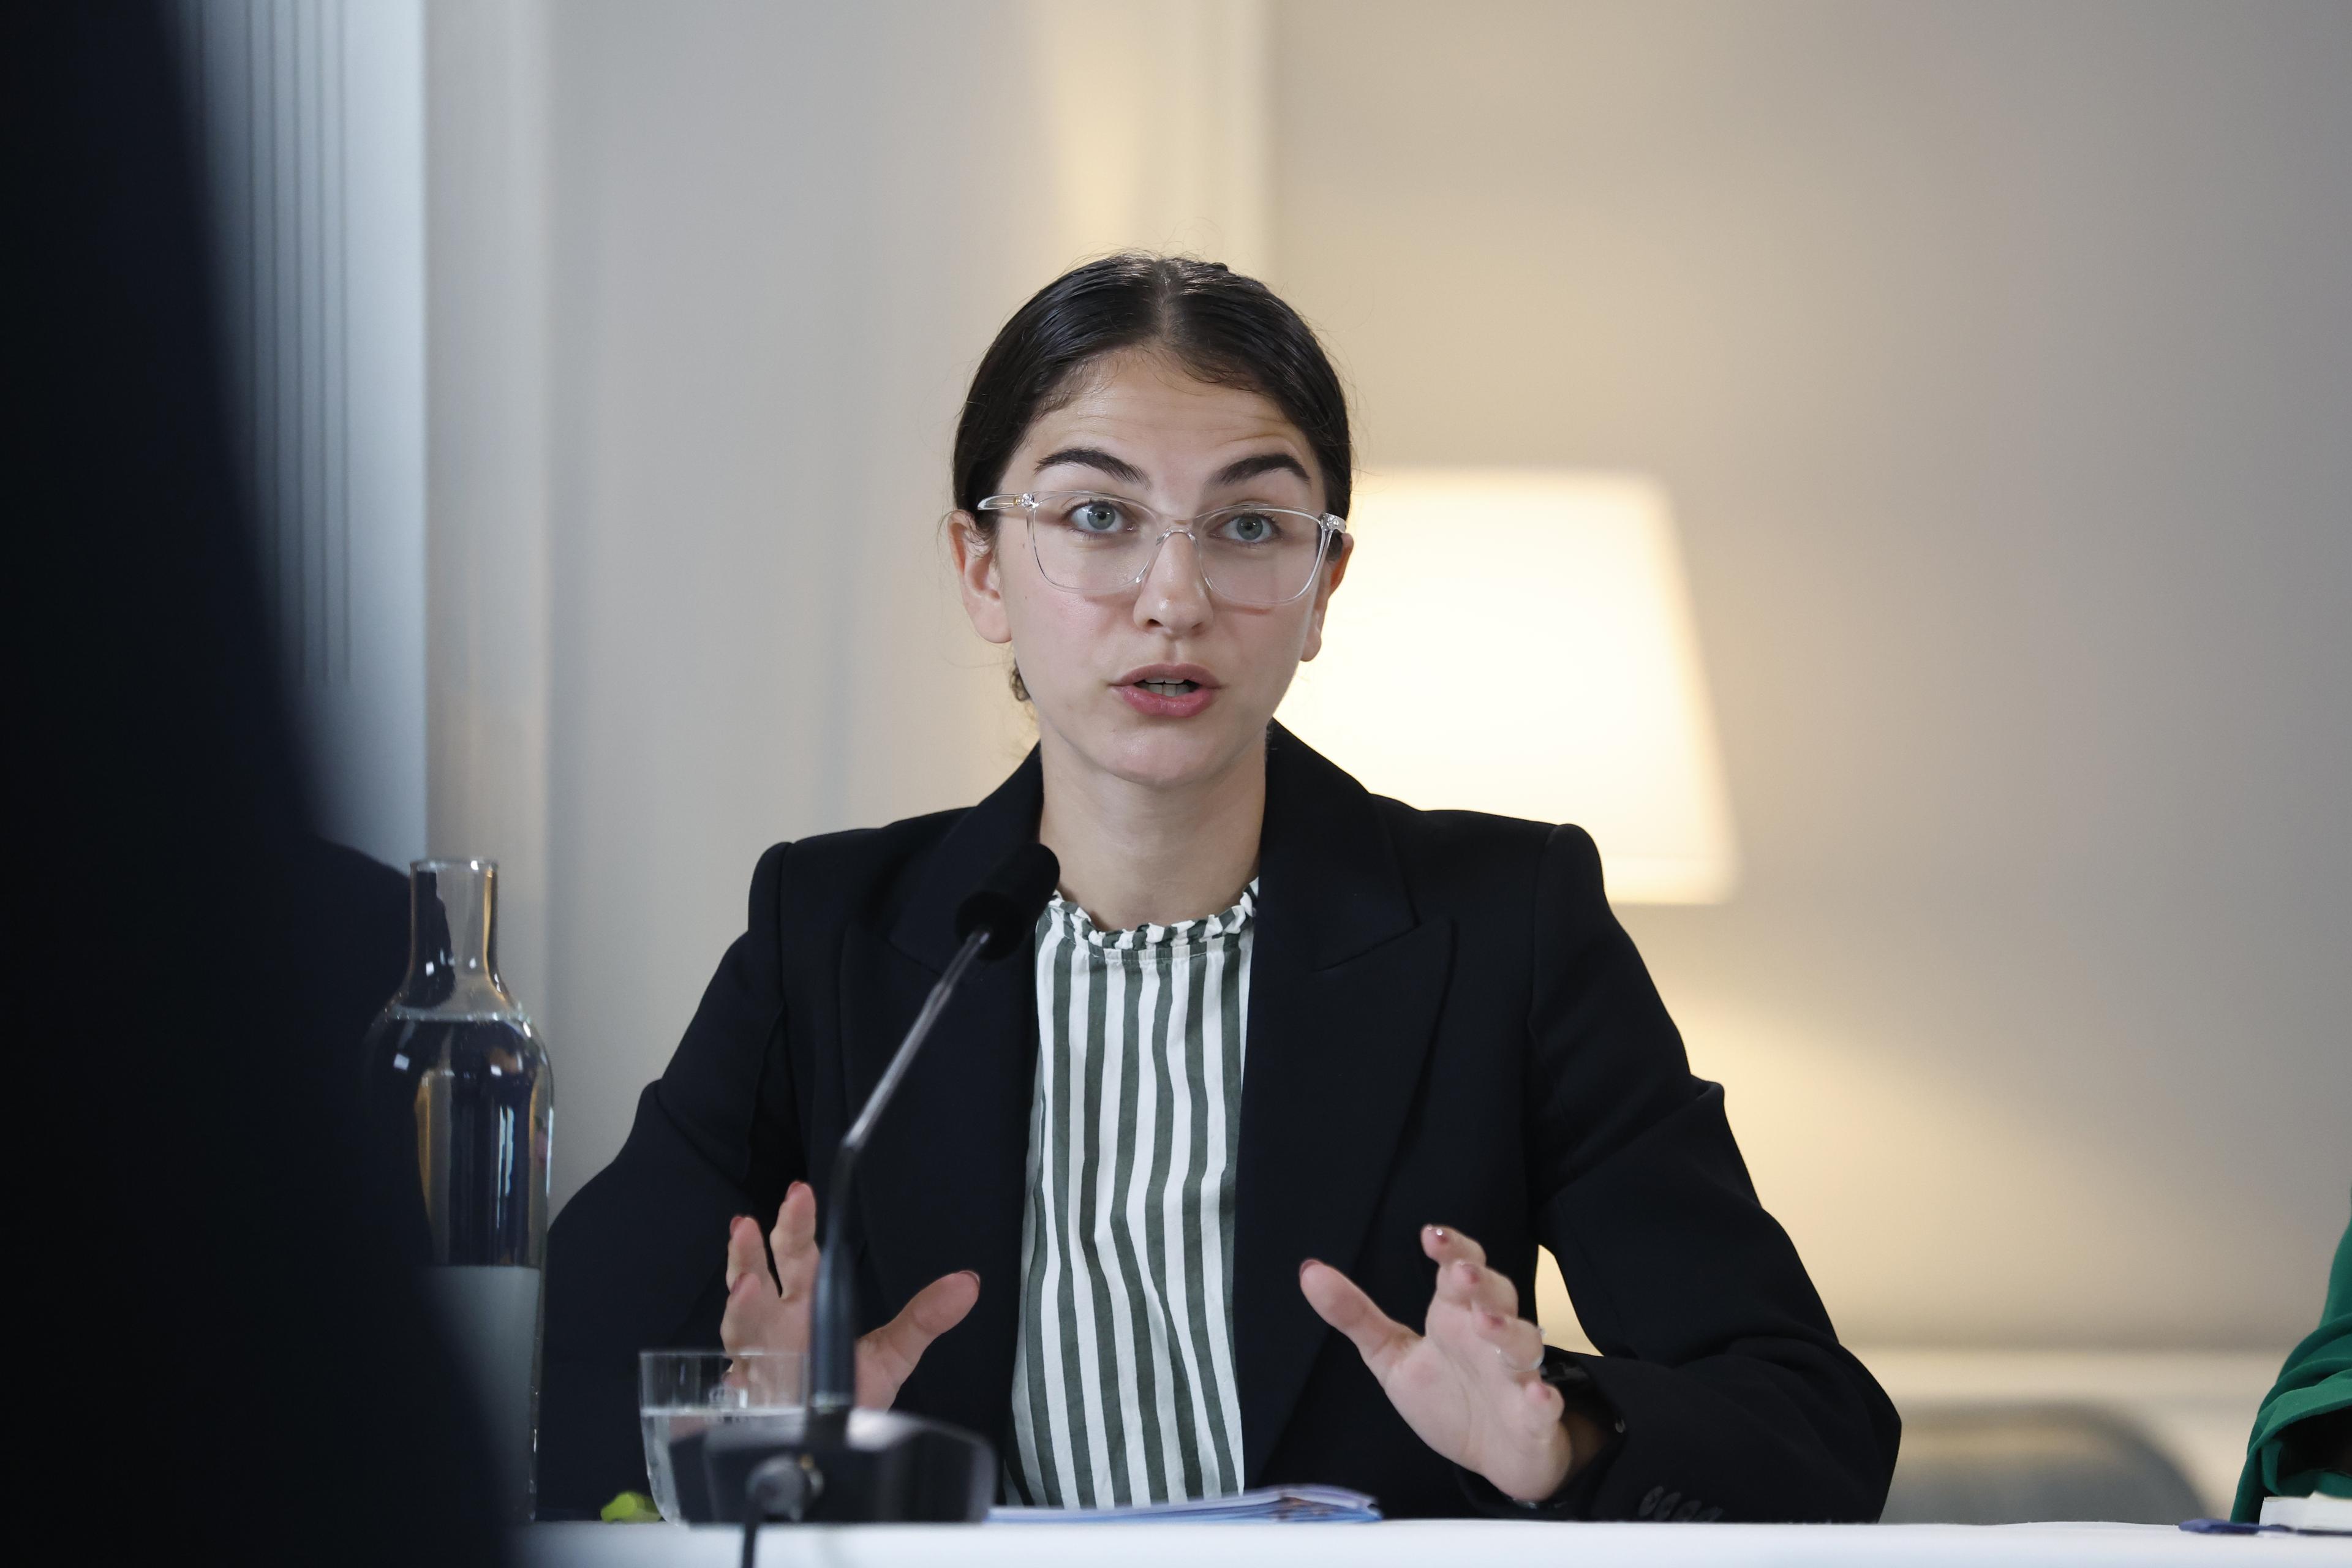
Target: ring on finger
[1505,1357]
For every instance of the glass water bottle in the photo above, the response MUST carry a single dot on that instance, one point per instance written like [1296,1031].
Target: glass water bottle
[460,1093]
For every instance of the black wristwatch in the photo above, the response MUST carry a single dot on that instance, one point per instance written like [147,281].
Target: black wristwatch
[1577,1392]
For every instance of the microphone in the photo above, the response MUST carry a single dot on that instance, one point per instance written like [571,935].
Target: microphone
[1006,906]
[838,1464]
[994,920]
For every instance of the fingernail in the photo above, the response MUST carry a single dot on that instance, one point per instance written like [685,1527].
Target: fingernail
[1438,1231]
[1306,1263]
[975,1277]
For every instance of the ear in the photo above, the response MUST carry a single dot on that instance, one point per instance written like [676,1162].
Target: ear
[977,578]
[1334,571]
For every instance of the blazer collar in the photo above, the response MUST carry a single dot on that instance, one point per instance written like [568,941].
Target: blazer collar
[924,929]
[1324,848]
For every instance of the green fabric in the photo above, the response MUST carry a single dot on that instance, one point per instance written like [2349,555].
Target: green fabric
[2315,1380]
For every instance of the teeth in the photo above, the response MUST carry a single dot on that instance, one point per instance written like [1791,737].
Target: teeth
[1168,687]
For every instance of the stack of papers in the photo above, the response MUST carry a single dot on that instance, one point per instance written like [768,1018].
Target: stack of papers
[1269,1505]
[2317,1514]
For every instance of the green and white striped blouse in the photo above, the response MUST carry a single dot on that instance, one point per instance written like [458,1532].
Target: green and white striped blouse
[1123,1375]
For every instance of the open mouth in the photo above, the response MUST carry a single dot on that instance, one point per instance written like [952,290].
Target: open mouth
[1168,687]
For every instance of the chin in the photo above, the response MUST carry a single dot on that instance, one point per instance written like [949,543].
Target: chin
[1170,754]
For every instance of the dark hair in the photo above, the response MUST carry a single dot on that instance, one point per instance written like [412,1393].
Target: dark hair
[1220,326]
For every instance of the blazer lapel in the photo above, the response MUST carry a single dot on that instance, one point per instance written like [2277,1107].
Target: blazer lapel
[941,1185]
[1345,987]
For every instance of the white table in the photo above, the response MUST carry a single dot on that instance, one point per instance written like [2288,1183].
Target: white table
[1411,1543]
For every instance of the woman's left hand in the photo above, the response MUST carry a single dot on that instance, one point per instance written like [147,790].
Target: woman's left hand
[1469,1385]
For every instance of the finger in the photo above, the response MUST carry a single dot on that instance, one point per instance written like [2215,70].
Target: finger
[793,1242]
[1540,1403]
[748,1301]
[1445,1244]
[1446,1247]
[1517,1345]
[886,1357]
[1475,1289]
[1339,1301]
[735,1333]
[746,1259]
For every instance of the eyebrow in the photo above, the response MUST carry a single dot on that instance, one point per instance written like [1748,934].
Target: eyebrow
[1264,463]
[1094,457]
[1119,468]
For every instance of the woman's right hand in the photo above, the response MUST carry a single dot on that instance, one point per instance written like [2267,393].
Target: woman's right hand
[765,1312]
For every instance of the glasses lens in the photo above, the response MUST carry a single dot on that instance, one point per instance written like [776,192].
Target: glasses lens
[1259,556]
[1090,544]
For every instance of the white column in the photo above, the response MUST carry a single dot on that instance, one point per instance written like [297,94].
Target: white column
[310,118]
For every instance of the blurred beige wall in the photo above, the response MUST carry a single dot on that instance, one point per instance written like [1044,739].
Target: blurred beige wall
[1998,358]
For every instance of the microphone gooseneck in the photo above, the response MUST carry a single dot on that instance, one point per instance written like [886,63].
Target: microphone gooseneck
[994,921]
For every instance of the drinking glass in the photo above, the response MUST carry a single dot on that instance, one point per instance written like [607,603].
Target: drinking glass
[680,1392]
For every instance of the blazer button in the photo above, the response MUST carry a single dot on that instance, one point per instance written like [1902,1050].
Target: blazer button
[1650,1503]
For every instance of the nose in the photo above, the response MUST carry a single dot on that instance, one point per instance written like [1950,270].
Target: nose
[1173,595]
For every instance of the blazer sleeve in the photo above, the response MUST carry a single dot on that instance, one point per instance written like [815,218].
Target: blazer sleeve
[637,1259]
[1736,1401]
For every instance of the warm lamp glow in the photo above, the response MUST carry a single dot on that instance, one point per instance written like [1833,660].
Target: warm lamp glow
[1521,642]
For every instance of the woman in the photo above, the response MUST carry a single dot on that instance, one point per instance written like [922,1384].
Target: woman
[1290,1058]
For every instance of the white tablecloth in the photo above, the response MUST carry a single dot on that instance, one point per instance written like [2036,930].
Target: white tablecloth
[1411,1544]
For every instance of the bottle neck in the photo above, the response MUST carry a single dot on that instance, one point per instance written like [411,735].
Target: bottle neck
[453,945]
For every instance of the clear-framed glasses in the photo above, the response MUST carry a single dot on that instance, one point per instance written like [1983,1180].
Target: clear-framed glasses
[1088,543]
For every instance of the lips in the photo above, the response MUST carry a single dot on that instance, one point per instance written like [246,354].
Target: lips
[1168,691]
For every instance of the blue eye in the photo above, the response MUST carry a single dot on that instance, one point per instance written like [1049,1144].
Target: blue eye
[1251,528]
[1095,515]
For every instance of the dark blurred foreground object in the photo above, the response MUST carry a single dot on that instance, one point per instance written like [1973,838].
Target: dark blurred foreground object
[2026,1464]
[236,1367]
[357,907]
[2302,1441]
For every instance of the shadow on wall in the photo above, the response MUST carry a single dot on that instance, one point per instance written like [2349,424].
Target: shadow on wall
[1827,1123]
[2026,1464]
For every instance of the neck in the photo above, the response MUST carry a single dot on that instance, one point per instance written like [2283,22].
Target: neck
[1139,854]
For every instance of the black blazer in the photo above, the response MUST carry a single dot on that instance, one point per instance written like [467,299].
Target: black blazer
[1446,1026]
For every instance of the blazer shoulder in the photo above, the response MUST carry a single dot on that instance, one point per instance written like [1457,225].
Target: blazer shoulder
[854,874]
[1482,858]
